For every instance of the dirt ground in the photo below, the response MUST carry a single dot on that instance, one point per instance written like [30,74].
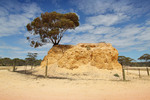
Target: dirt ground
[88,86]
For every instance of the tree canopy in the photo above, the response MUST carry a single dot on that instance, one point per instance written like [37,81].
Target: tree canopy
[50,27]
[18,62]
[31,58]
[125,60]
[145,57]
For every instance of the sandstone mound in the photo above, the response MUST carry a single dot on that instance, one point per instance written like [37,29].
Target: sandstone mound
[100,55]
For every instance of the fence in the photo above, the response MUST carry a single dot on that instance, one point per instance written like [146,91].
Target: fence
[139,69]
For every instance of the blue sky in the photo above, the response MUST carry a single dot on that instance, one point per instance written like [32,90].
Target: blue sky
[123,23]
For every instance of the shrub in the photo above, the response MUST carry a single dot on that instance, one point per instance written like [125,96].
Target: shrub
[116,75]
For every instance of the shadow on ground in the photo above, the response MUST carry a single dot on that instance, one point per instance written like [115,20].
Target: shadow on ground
[30,72]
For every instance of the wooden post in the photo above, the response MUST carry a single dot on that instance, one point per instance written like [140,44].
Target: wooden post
[46,69]
[147,71]
[123,73]
[14,67]
[139,74]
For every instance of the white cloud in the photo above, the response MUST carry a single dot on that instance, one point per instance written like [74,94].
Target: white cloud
[105,30]
[22,49]
[147,22]
[106,15]
[86,38]
[23,53]
[129,37]
[9,48]
[144,35]
[92,7]
[56,3]
[67,38]
[82,28]
[32,51]
[131,30]
[46,46]
[61,11]
[127,7]
[74,38]
[26,44]
[31,10]
[13,19]
[107,20]
[3,12]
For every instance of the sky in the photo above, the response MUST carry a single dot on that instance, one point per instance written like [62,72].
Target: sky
[123,23]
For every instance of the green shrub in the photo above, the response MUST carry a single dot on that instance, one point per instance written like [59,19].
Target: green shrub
[116,75]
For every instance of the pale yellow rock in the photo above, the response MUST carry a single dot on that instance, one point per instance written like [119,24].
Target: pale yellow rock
[100,55]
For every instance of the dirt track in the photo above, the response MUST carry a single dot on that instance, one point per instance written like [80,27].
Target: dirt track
[16,86]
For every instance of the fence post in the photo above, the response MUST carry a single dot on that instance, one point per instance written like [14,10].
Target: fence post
[14,67]
[139,73]
[46,69]
[147,71]
[123,73]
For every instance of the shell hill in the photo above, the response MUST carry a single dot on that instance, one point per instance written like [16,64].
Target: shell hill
[100,55]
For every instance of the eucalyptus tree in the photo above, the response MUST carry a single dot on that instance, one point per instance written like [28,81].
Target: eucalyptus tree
[146,58]
[125,60]
[50,28]
[31,59]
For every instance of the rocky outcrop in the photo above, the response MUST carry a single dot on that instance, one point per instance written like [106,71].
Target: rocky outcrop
[100,55]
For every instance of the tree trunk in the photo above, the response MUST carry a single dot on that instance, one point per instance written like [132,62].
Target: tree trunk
[55,44]
[46,67]
[123,72]
[14,67]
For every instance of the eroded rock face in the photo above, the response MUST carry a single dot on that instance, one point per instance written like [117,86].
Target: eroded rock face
[100,55]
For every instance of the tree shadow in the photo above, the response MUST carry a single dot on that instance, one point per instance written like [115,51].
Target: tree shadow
[30,72]
[27,72]
[120,80]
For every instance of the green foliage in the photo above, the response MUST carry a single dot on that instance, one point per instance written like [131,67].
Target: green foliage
[131,62]
[31,60]
[125,60]
[50,27]
[6,62]
[37,62]
[18,62]
[145,57]
[116,75]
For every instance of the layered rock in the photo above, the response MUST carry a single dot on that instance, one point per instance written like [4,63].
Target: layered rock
[100,55]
